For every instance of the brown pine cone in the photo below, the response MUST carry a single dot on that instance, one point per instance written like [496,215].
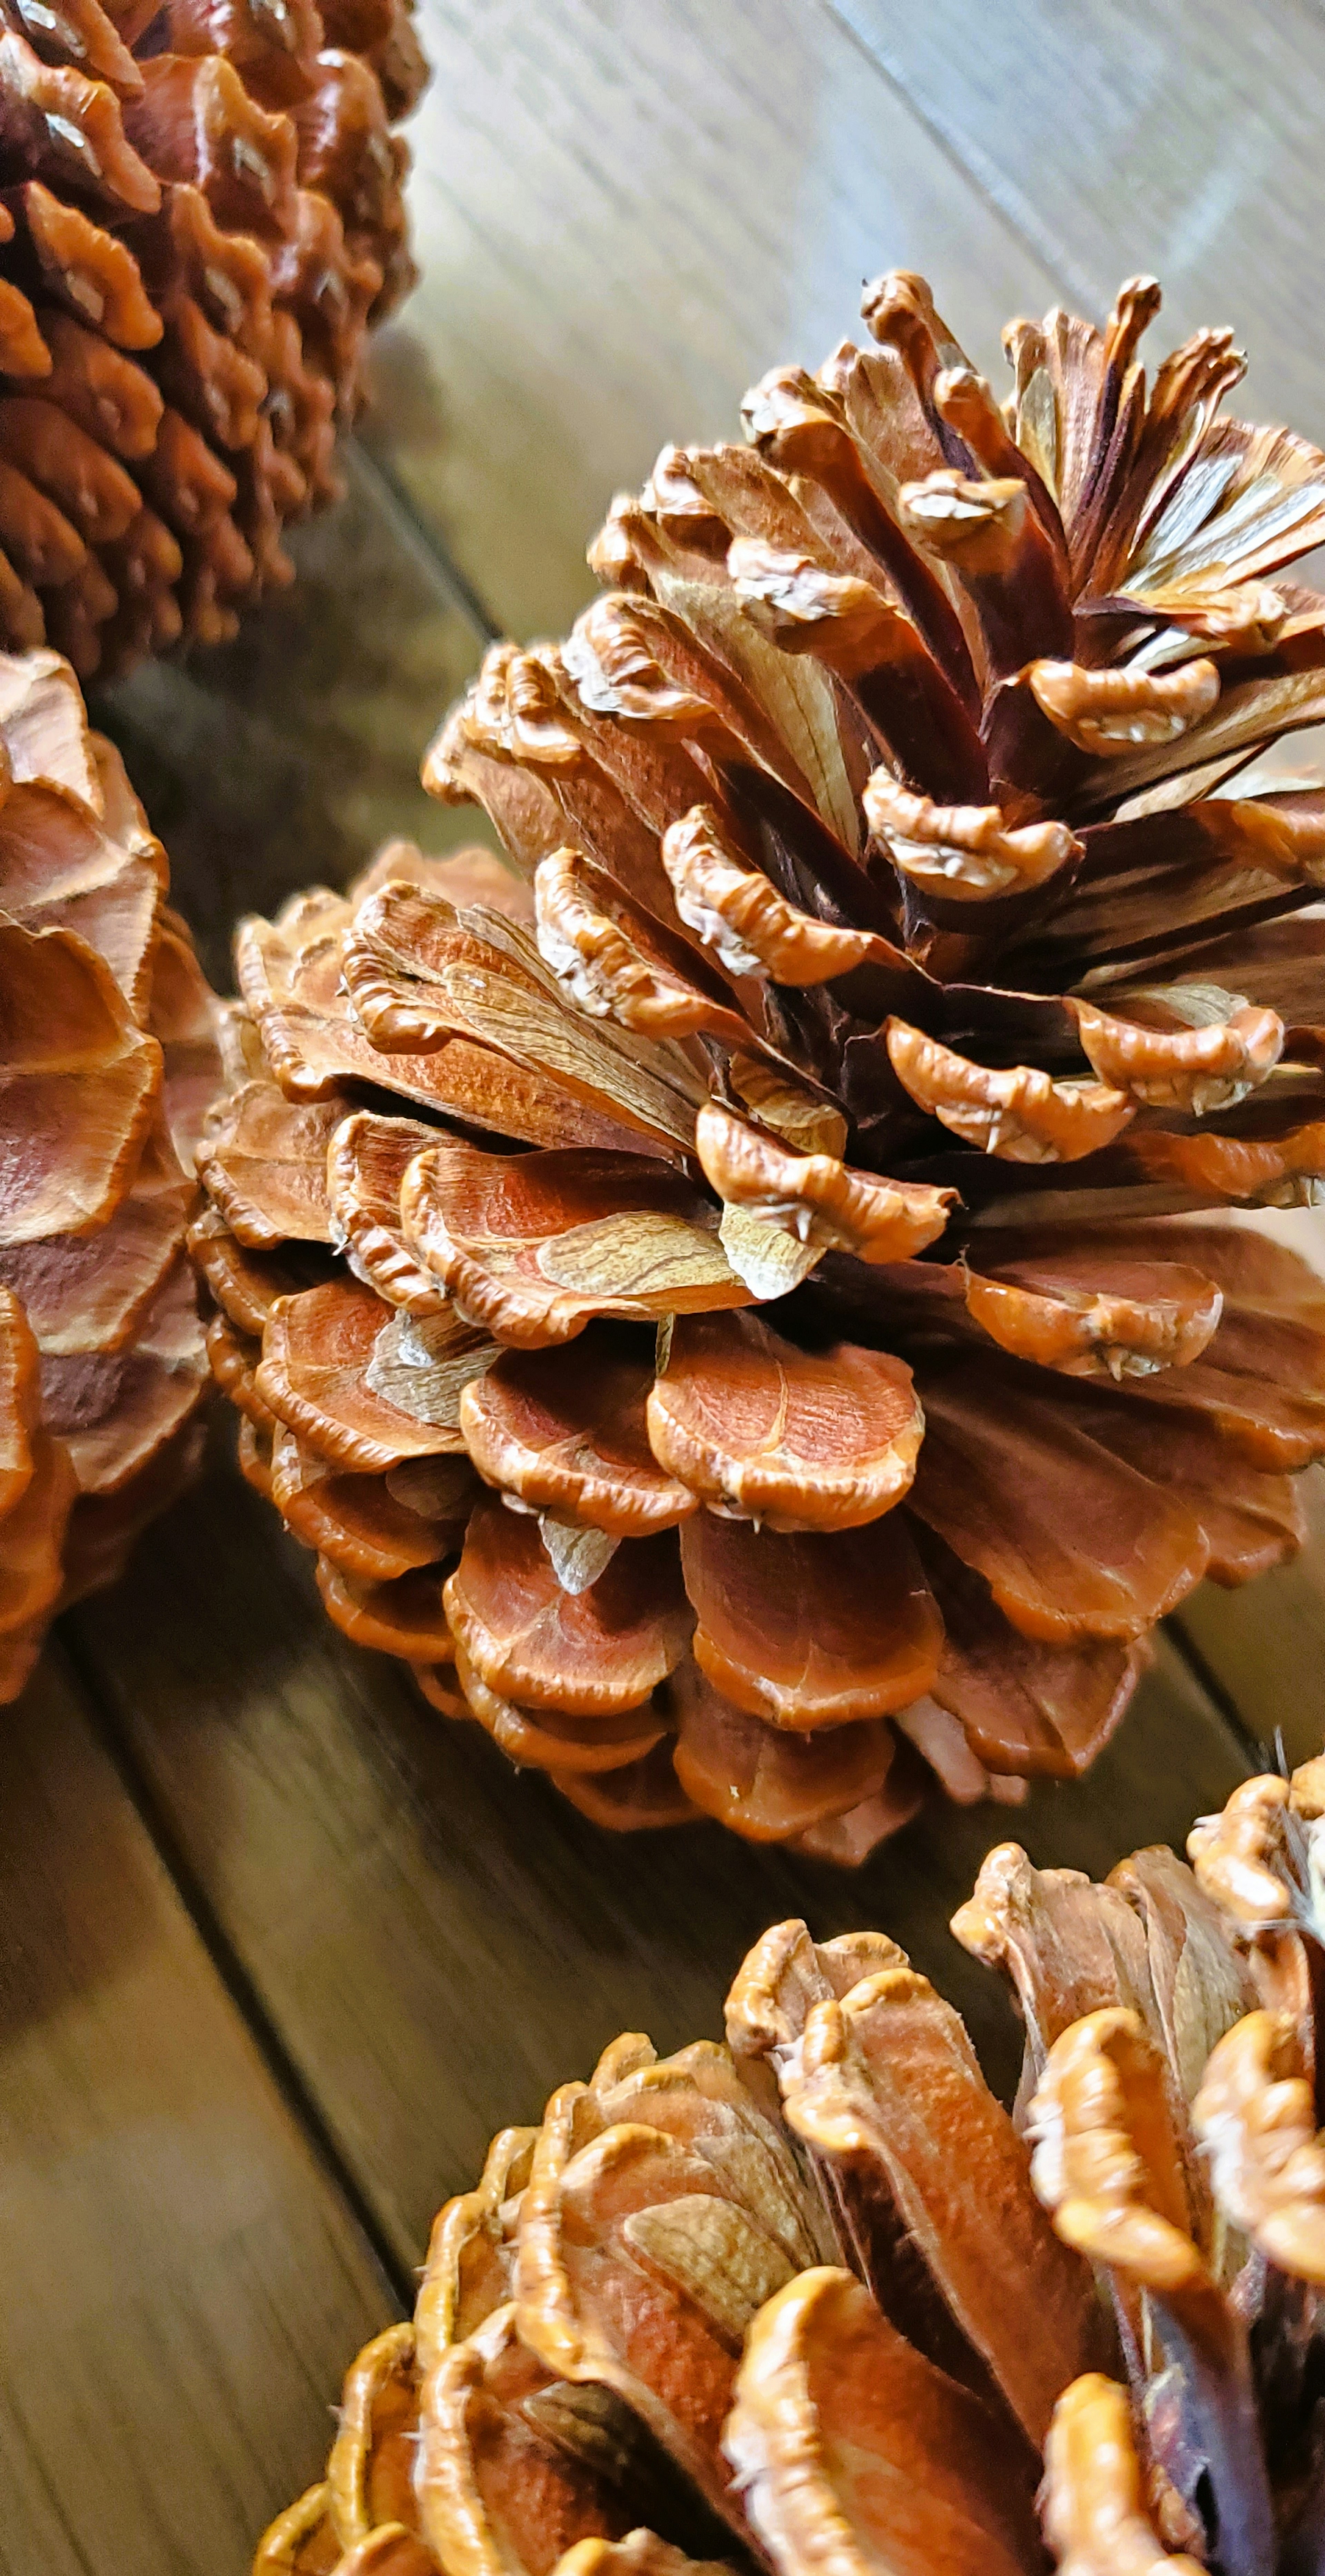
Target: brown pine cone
[898,972]
[107,1061]
[814,2301]
[200,212]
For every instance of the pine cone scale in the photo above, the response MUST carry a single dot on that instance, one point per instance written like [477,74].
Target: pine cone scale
[110,1061]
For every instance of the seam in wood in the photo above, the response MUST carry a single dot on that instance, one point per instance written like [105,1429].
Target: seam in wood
[1253,1752]
[295,2091]
[979,173]
[422,541]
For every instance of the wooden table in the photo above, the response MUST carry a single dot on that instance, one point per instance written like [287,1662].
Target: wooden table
[280,1948]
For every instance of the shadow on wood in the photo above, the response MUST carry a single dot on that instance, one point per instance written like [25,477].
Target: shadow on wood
[439,1939]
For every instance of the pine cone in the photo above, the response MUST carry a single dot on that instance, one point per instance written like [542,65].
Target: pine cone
[201,213]
[898,974]
[811,2300]
[107,1060]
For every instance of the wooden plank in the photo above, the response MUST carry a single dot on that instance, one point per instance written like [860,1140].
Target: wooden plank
[440,1940]
[1116,137]
[623,217]
[182,2286]
[280,761]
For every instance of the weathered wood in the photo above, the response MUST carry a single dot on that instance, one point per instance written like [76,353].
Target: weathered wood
[182,2286]
[440,1940]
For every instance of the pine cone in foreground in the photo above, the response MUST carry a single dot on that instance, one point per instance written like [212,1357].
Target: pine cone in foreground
[900,973]
[795,2303]
[201,212]
[107,1060]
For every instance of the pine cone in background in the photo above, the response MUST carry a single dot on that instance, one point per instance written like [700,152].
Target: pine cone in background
[796,2303]
[201,213]
[899,972]
[107,1060]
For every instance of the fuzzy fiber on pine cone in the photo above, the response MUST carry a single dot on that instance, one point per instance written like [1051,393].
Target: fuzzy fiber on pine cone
[107,1061]
[806,1200]
[815,2300]
[200,214]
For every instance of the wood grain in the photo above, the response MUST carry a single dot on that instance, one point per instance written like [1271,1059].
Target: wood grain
[441,1940]
[624,216]
[1114,136]
[182,2288]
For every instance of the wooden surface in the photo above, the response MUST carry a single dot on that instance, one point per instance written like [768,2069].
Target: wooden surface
[180,2275]
[279,1947]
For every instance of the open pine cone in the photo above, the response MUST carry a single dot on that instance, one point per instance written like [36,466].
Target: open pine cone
[796,2303]
[898,973]
[201,213]
[107,1061]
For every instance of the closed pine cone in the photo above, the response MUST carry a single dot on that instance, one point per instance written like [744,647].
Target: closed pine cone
[107,1060]
[810,1212]
[200,213]
[814,2300]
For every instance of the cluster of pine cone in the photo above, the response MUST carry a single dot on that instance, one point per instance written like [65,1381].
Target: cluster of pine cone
[750,1305]
[747,1300]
